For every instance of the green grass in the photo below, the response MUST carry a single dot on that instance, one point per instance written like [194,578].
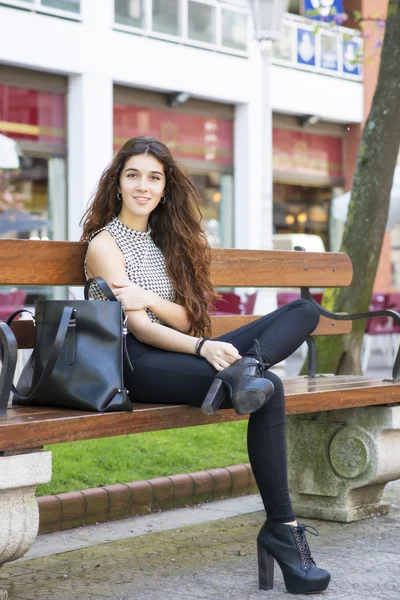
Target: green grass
[93,463]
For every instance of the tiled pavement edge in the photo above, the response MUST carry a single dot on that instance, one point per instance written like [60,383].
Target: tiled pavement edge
[97,505]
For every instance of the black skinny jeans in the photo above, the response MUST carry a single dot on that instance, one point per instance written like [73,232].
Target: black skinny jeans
[167,377]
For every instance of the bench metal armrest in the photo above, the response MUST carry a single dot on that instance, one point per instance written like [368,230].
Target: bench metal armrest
[9,351]
[305,293]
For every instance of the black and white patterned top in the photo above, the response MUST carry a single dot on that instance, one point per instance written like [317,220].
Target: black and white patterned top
[144,263]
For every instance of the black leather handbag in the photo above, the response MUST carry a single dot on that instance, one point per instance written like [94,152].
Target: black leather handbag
[79,356]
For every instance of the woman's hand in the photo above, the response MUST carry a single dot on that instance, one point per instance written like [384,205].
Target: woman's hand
[132,297]
[219,354]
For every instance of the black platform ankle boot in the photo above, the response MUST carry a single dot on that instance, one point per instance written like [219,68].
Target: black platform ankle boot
[288,546]
[243,383]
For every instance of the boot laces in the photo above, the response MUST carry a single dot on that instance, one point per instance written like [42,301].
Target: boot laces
[302,544]
[263,364]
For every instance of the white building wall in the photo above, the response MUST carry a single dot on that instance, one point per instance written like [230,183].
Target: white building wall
[306,93]
[95,56]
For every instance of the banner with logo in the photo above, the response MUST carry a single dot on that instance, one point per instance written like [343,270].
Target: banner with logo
[322,10]
[351,57]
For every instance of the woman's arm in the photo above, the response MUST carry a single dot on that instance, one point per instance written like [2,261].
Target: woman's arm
[219,354]
[158,335]
[104,259]
[170,313]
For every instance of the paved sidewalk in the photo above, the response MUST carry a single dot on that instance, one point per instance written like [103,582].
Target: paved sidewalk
[208,554]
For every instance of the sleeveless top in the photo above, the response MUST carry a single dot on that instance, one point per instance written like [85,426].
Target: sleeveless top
[144,263]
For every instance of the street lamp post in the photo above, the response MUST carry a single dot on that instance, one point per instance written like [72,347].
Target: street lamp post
[267,17]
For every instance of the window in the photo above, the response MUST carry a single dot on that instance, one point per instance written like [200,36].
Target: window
[67,5]
[294,7]
[282,48]
[71,6]
[32,199]
[202,22]
[166,16]
[130,12]
[234,29]
[217,23]
[216,191]
[329,52]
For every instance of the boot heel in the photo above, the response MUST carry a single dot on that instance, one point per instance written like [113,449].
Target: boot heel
[215,396]
[265,568]
[253,395]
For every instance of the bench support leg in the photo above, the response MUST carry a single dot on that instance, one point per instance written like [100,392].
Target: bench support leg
[340,461]
[19,513]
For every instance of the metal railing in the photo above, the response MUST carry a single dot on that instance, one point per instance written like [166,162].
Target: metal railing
[319,48]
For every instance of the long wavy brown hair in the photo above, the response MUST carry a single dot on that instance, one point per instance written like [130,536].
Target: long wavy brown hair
[175,228]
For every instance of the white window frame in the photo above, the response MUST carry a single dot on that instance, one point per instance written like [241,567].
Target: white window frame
[184,27]
[36,7]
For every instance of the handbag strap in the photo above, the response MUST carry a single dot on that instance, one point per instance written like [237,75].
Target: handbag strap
[66,316]
[103,285]
[8,345]
[105,288]
[18,312]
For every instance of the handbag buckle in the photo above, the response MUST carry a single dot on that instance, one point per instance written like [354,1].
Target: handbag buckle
[72,321]
[124,326]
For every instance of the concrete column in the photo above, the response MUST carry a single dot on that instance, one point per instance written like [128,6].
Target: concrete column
[90,113]
[248,165]
[253,168]
[90,141]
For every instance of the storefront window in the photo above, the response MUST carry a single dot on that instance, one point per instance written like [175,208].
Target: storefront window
[32,201]
[216,190]
[130,12]
[32,197]
[204,146]
[234,29]
[166,16]
[67,5]
[302,209]
[202,22]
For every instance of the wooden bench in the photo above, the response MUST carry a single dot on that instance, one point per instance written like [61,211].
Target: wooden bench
[339,429]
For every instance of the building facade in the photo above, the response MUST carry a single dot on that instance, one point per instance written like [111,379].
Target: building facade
[81,81]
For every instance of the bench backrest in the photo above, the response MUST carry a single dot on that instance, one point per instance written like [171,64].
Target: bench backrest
[26,262]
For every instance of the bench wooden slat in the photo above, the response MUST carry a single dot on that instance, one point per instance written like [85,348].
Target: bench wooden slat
[302,396]
[221,325]
[25,331]
[61,263]
[277,268]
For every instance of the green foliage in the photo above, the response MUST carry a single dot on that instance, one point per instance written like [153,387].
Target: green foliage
[92,463]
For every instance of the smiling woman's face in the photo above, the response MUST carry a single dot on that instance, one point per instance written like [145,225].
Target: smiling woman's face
[141,185]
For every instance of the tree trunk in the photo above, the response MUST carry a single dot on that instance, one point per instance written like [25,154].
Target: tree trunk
[369,205]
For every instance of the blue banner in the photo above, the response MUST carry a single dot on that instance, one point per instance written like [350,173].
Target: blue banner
[305,47]
[322,10]
[351,58]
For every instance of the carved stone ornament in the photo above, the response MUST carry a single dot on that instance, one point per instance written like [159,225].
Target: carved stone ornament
[349,452]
